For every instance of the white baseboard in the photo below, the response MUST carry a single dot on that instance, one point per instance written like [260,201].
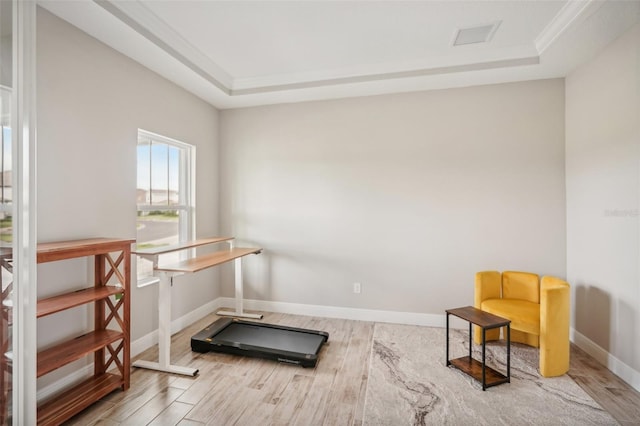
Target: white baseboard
[411,318]
[138,346]
[617,367]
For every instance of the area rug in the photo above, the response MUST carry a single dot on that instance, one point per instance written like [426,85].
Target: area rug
[409,384]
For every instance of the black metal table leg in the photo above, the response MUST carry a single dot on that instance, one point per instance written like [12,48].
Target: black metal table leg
[508,353]
[484,345]
[470,340]
[447,364]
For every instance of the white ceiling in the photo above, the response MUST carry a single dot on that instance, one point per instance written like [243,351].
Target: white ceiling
[244,53]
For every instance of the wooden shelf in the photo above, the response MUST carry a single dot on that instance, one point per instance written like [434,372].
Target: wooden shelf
[70,300]
[66,352]
[51,252]
[199,263]
[474,368]
[76,399]
[181,246]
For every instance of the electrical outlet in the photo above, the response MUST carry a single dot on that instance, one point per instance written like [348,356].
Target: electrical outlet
[356,288]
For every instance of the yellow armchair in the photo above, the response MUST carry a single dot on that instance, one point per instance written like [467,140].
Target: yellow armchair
[538,310]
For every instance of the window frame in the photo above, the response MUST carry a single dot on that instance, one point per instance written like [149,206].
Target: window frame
[6,201]
[186,206]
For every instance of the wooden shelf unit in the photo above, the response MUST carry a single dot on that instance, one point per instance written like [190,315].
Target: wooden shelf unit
[109,347]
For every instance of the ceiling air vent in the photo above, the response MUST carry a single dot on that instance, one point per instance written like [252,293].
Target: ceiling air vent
[480,34]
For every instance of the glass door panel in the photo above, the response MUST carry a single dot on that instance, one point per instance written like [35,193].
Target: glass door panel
[6,212]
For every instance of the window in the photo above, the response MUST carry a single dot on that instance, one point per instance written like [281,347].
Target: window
[6,196]
[164,194]
[6,228]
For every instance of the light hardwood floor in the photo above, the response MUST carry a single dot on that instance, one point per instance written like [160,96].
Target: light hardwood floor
[610,391]
[249,391]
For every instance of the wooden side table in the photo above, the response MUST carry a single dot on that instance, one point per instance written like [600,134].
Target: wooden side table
[479,370]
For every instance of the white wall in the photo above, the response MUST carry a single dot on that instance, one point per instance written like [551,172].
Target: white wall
[408,194]
[603,201]
[91,102]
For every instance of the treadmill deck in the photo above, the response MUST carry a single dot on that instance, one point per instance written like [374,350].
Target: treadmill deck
[280,343]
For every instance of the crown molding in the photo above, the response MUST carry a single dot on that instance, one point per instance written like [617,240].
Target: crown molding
[138,17]
[468,60]
[262,87]
[570,14]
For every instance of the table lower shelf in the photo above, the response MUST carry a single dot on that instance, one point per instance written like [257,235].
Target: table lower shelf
[473,368]
[71,402]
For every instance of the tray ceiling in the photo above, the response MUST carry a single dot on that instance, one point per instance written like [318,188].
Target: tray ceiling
[244,53]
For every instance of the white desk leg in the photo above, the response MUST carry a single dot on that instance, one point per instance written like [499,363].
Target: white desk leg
[164,334]
[239,312]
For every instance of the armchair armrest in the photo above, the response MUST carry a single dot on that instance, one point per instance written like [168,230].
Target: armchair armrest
[554,326]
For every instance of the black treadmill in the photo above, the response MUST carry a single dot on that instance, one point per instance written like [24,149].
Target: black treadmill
[284,344]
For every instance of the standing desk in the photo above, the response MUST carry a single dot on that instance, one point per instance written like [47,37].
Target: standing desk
[166,273]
